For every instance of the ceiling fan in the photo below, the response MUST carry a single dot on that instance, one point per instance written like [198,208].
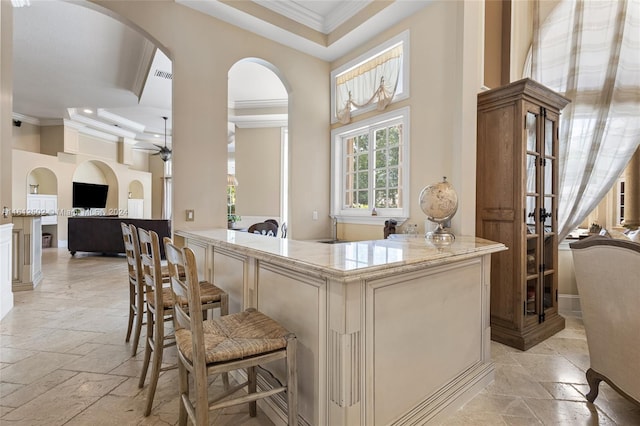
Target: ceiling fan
[163,151]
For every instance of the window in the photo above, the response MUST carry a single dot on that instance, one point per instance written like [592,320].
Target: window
[373,80]
[371,169]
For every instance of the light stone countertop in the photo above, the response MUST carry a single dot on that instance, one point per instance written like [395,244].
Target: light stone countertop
[349,260]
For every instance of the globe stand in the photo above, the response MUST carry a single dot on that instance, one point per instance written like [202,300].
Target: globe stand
[440,237]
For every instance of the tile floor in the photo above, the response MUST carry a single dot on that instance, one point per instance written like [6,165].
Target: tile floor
[63,361]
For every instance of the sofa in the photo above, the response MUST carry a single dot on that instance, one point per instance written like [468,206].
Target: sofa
[103,234]
[607,274]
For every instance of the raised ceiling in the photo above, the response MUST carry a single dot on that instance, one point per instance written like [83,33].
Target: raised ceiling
[69,58]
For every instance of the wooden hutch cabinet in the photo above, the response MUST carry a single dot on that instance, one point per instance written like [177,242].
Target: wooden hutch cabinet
[517,205]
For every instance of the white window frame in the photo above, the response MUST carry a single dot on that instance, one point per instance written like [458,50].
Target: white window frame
[403,83]
[362,216]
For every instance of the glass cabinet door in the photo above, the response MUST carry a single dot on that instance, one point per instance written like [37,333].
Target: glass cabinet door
[541,215]
[549,214]
[532,205]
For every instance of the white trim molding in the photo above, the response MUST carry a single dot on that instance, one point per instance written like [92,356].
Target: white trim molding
[6,266]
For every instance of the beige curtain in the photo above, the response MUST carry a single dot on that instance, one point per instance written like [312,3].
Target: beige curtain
[589,51]
[376,80]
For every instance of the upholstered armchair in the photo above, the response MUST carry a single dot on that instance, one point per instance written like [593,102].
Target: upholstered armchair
[607,273]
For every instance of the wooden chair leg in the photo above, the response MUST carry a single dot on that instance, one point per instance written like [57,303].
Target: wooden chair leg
[251,375]
[132,313]
[292,381]
[594,380]
[183,387]
[202,398]
[140,312]
[155,373]
[136,334]
[147,349]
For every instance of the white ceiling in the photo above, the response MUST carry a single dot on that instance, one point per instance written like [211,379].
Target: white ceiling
[68,58]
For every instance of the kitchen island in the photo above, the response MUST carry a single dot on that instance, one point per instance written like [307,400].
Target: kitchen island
[389,331]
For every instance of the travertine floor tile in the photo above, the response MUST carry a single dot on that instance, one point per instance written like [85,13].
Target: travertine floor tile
[558,412]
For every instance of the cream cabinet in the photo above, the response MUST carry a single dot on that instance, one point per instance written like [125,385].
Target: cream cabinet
[517,205]
[44,204]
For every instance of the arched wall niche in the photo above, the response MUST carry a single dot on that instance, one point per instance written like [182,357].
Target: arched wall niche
[136,189]
[95,171]
[45,179]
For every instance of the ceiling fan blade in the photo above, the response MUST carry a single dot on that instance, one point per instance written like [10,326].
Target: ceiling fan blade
[147,146]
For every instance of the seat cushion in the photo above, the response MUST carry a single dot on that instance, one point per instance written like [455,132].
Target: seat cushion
[209,293]
[167,298]
[235,336]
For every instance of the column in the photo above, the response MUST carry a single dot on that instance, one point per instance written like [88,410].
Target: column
[632,191]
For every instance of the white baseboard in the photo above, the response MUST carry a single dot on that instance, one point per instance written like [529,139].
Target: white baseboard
[569,305]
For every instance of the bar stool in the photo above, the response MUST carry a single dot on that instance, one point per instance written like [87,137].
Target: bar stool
[236,341]
[160,303]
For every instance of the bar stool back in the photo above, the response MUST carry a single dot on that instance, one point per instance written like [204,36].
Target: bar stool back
[136,289]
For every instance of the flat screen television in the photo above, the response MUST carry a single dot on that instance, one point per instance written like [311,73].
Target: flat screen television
[89,195]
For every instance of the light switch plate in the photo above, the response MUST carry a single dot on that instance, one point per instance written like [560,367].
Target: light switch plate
[190,216]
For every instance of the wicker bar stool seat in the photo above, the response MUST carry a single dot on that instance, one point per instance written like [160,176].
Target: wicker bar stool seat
[243,340]
[235,336]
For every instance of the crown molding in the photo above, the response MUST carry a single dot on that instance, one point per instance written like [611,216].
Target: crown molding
[98,125]
[26,119]
[257,121]
[259,103]
[52,122]
[89,131]
[121,121]
[341,12]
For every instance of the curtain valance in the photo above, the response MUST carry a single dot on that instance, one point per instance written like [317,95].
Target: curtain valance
[375,80]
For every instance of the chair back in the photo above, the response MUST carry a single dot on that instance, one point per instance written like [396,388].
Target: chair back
[152,270]
[132,250]
[264,228]
[189,316]
[183,277]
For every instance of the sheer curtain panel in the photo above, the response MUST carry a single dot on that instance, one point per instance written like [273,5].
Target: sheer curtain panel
[589,51]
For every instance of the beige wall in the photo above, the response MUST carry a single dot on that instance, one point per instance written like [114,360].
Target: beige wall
[444,84]
[51,139]
[258,168]
[82,167]
[26,137]
[200,66]
[446,75]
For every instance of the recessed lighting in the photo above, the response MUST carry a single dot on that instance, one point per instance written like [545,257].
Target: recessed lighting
[88,111]
[157,136]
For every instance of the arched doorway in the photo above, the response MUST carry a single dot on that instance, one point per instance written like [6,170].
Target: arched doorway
[258,149]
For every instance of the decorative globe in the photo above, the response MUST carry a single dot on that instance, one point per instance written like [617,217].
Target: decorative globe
[439,202]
